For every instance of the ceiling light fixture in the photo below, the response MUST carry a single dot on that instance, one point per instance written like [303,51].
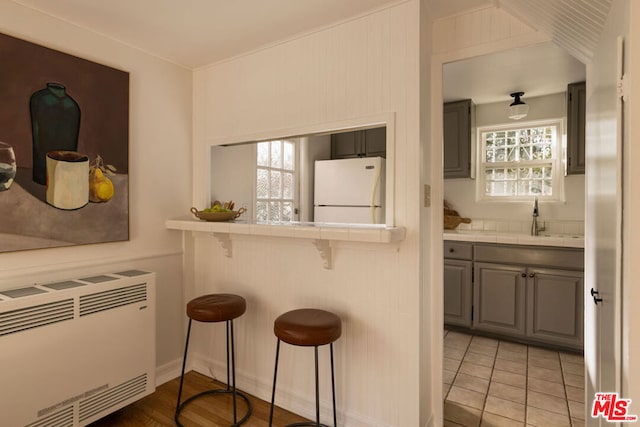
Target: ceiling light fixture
[518,109]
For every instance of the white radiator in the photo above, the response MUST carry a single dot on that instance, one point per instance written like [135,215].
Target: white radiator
[73,351]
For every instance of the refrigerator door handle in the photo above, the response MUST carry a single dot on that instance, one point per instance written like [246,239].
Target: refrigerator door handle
[374,190]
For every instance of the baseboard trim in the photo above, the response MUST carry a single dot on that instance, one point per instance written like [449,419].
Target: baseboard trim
[168,371]
[294,401]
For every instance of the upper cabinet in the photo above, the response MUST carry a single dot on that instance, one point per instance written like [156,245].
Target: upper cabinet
[576,105]
[360,143]
[457,138]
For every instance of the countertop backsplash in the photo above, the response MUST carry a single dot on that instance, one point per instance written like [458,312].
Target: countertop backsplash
[524,227]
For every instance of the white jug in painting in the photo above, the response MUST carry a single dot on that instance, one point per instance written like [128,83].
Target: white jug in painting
[67,179]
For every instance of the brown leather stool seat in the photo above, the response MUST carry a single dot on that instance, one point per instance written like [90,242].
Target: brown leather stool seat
[216,308]
[307,327]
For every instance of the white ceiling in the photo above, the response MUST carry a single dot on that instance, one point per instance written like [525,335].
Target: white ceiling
[194,33]
[538,70]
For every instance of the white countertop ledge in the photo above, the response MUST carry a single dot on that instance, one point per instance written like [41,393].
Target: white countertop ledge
[296,230]
[560,240]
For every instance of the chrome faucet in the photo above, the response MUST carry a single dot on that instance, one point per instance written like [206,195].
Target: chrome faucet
[535,230]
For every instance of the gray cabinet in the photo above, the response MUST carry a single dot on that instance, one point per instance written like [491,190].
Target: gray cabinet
[525,292]
[458,270]
[499,298]
[361,143]
[538,304]
[457,292]
[576,120]
[555,306]
[457,139]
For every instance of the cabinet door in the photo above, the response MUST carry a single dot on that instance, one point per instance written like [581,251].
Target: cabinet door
[555,306]
[375,142]
[457,139]
[499,298]
[576,119]
[457,292]
[346,145]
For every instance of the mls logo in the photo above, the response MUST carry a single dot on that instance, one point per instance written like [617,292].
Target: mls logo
[611,408]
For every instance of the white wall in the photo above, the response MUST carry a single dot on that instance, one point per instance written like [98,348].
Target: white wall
[461,192]
[232,175]
[159,167]
[311,149]
[363,67]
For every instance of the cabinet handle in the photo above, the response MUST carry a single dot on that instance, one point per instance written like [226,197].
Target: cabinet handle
[451,250]
[531,275]
[524,274]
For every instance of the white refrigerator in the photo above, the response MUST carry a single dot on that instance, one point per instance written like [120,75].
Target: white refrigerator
[349,191]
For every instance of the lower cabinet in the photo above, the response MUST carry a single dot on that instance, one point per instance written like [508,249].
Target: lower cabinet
[457,292]
[499,298]
[516,297]
[555,306]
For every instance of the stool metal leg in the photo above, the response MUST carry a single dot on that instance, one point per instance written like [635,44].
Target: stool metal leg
[273,392]
[184,364]
[233,371]
[317,378]
[231,381]
[228,383]
[317,389]
[333,388]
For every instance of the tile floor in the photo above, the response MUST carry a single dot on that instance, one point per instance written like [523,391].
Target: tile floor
[494,383]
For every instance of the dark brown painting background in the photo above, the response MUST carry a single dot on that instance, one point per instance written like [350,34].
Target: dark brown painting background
[101,92]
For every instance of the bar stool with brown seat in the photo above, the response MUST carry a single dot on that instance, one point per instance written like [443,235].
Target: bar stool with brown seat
[216,308]
[307,327]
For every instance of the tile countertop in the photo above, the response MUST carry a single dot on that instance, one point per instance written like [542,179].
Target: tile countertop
[545,239]
[300,230]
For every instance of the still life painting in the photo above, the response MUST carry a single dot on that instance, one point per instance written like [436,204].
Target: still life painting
[64,149]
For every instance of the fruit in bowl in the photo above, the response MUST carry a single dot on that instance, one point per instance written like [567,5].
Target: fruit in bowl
[218,212]
[217,208]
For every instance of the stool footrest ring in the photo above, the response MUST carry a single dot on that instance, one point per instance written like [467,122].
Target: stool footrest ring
[306,423]
[217,391]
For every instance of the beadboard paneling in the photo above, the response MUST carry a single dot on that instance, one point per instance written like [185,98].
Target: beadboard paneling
[360,68]
[575,25]
[480,27]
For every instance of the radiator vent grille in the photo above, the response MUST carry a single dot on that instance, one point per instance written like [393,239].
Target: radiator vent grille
[63,418]
[107,300]
[38,315]
[98,403]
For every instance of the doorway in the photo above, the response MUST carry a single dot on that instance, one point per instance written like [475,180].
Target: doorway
[482,356]
[609,346]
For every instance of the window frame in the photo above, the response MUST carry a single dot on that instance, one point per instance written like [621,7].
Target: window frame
[296,179]
[558,163]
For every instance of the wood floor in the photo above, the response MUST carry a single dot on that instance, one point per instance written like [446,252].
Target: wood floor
[158,408]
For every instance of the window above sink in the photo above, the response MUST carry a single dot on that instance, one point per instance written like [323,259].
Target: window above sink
[518,162]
